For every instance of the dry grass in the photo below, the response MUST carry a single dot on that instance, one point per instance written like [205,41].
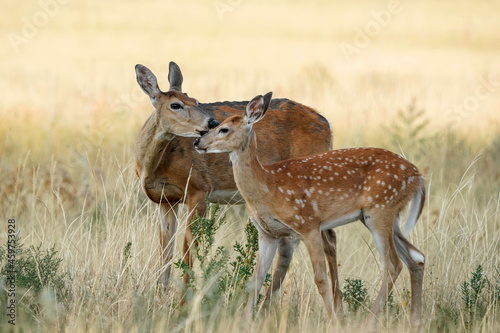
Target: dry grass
[71,109]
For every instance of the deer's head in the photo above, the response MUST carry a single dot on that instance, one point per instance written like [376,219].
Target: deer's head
[178,113]
[234,131]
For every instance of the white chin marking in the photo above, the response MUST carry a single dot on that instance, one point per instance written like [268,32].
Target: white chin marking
[209,150]
[417,257]
[189,135]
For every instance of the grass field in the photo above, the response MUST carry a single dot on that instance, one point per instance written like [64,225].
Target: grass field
[421,78]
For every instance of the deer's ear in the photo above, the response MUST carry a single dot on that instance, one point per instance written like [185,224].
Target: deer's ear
[257,108]
[147,81]
[175,77]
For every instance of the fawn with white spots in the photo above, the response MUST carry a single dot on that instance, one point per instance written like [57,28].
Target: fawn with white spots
[300,197]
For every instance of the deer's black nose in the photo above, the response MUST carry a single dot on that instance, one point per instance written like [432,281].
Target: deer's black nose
[212,123]
[196,142]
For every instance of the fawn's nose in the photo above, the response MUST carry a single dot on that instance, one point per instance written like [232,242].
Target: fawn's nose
[196,142]
[212,123]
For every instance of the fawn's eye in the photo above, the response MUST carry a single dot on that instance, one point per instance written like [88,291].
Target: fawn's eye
[223,130]
[175,106]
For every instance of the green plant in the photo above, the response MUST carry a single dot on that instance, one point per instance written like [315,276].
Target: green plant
[475,295]
[355,295]
[409,131]
[37,274]
[126,252]
[243,266]
[36,268]
[496,292]
[219,277]
[395,307]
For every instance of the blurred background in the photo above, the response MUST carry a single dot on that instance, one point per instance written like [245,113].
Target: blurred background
[70,64]
[419,77]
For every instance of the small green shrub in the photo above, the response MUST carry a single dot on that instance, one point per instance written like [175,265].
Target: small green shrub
[36,268]
[244,264]
[220,278]
[355,295]
[37,274]
[409,132]
[475,295]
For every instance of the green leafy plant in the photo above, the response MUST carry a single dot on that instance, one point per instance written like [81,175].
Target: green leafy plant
[219,277]
[394,306]
[355,295]
[409,131]
[126,253]
[475,294]
[243,266]
[36,269]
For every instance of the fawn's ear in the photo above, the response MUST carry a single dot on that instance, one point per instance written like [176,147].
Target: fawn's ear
[257,107]
[175,77]
[147,81]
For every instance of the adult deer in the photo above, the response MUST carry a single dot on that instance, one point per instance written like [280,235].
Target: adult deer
[300,197]
[171,172]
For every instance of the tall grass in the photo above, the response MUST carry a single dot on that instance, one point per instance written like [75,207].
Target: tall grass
[105,232]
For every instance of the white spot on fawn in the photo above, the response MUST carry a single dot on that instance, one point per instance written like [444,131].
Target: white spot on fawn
[315,206]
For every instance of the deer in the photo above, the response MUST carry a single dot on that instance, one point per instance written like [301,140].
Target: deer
[171,172]
[304,196]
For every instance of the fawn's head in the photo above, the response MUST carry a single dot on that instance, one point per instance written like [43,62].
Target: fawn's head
[234,131]
[179,114]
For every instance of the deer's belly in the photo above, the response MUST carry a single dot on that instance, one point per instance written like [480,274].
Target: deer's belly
[230,197]
[273,227]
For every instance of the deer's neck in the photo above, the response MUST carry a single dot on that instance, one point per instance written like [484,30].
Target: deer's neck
[249,174]
[150,146]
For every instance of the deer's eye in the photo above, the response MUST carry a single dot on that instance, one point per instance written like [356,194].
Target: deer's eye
[223,130]
[175,106]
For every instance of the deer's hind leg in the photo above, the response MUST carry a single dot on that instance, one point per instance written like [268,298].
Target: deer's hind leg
[330,248]
[415,261]
[380,223]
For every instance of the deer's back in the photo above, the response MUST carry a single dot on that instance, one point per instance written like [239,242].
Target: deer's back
[289,130]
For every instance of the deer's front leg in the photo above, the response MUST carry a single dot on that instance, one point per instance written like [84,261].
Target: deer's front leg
[168,227]
[286,248]
[196,206]
[267,250]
